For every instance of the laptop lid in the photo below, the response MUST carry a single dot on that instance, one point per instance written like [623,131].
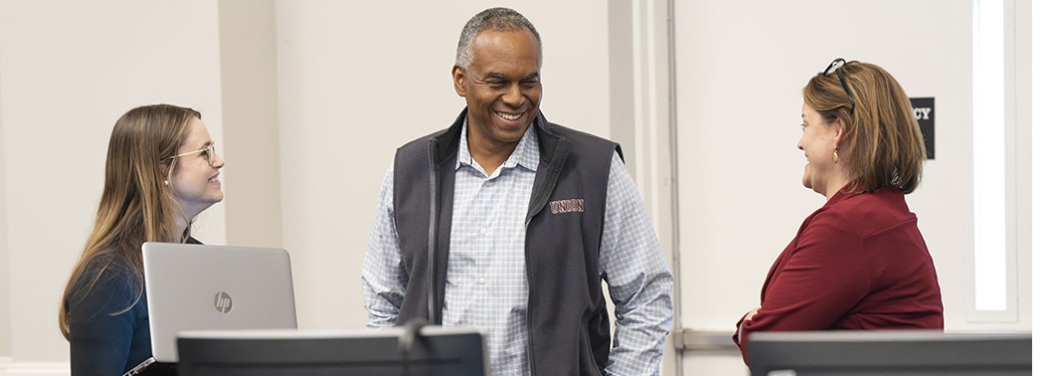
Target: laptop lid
[207,287]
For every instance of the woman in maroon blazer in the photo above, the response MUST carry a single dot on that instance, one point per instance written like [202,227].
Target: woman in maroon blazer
[858,262]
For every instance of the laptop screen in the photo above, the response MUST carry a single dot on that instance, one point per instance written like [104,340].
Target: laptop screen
[208,287]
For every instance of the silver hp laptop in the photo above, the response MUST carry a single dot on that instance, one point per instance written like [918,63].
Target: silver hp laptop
[207,287]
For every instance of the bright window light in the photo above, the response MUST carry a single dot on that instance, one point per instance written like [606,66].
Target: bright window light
[1040,154]
[989,190]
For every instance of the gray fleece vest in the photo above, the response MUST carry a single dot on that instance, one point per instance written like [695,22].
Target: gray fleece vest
[567,319]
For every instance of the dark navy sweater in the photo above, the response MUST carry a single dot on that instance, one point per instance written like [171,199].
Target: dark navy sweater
[102,342]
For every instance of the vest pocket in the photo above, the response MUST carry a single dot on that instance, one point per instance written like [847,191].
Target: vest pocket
[595,340]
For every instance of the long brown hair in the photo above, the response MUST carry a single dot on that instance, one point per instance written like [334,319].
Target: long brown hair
[136,204]
[884,145]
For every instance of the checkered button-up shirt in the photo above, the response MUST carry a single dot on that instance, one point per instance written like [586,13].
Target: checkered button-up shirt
[486,283]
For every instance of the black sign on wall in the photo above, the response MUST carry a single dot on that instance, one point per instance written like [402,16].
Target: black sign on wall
[923,108]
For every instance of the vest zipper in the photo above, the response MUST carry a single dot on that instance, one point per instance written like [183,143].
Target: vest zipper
[432,306]
[535,206]
[528,306]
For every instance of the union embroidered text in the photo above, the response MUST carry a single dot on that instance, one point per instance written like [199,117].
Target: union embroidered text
[567,206]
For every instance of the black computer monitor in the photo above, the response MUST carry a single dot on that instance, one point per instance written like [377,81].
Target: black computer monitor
[889,352]
[436,351]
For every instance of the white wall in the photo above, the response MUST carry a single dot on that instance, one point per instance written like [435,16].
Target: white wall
[68,70]
[5,282]
[248,51]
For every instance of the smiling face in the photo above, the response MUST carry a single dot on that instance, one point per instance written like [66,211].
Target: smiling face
[502,89]
[818,142]
[196,179]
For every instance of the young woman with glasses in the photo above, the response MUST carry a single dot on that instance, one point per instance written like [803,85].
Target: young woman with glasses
[161,172]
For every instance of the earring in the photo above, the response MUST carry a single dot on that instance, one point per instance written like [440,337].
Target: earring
[166,183]
[834,156]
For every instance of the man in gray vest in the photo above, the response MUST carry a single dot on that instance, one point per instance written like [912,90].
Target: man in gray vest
[509,223]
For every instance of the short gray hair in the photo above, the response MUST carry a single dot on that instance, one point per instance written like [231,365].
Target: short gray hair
[499,19]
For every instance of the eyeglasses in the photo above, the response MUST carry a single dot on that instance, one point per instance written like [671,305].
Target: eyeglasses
[208,151]
[836,66]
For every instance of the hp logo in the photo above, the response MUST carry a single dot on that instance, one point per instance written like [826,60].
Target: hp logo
[223,302]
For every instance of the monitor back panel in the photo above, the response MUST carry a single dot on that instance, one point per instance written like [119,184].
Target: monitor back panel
[890,352]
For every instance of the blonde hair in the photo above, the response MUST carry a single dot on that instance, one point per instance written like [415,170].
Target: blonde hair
[136,205]
[884,145]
